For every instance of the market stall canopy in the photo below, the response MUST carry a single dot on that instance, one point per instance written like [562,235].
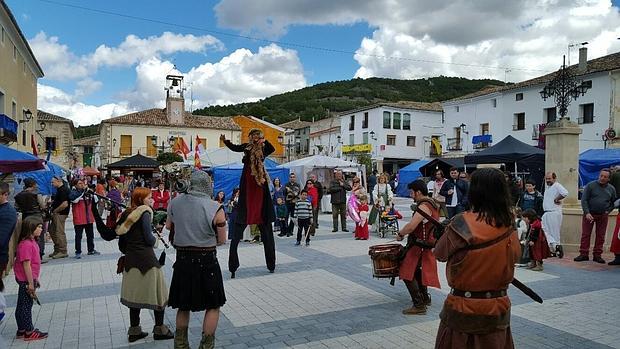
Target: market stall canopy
[407,175]
[508,150]
[443,164]
[12,160]
[89,171]
[215,157]
[43,177]
[138,161]
[592,161]
[324,167]
[227,177]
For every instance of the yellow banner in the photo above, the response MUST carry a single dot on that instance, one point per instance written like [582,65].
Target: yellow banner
[357,148]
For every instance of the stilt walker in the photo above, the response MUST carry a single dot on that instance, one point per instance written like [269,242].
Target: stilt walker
[255,204]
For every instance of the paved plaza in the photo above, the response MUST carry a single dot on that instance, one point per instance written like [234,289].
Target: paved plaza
[321,296]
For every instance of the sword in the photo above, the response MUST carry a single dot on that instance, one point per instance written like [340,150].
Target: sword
[515,282]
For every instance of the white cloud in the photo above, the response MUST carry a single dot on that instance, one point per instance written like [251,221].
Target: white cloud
[59,63]
[242,76]
[56,101]
[529,34]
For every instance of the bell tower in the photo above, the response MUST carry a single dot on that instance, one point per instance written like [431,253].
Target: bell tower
[175,102]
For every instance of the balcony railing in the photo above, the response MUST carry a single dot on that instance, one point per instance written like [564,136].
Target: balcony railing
[482,145]
[455,144]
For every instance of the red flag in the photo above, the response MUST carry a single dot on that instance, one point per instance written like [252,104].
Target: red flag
[197,163]
[180,147]
[33,144]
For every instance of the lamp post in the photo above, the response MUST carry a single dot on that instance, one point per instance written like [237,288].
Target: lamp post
[562,88]
[27,116]
[373,152]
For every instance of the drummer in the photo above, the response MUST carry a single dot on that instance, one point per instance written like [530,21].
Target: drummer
[418,269]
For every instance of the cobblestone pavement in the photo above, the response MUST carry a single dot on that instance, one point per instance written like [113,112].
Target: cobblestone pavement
[321,296]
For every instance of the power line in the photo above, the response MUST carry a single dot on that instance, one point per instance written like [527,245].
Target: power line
[281,43]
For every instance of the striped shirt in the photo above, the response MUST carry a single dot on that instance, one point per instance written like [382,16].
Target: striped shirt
[303,209]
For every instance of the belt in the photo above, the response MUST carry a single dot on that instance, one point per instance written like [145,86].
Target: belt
[479,294]
[195,249]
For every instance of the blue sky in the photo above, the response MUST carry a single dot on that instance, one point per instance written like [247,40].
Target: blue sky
[405,39]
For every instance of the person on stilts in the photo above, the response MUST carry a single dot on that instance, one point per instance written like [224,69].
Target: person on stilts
[258,210]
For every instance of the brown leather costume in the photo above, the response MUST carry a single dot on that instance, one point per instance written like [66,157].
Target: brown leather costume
[476,321]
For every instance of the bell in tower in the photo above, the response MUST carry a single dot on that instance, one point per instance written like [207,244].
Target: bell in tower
[175,102]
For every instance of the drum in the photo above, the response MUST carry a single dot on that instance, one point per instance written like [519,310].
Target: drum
[385,259]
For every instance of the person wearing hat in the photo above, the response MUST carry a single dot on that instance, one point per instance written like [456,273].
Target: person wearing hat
[199,225]
[254,184]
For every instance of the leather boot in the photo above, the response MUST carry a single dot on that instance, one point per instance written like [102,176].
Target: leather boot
[426,297]
[135,333]
[162,332]
[207,342]
[419,306]
[180,339]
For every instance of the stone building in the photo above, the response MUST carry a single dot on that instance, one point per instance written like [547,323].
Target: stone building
[56,136]
[296,139]
[19,71]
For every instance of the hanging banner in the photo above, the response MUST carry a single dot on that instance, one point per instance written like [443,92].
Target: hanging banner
[357,148]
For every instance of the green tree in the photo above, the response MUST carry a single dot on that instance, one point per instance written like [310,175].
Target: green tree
[168,158]
[366,160]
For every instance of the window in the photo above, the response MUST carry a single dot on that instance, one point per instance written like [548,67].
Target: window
[484,129]
[88,149]
[352,123]
[406,121]
[494,103]
[550,114]
[411,141]
[24,67]
[365,120]
[365,138]
[519,122]
[50,143]
[457,108]
[391,140]
[396,124]
[126,145]
[14,110]
[387,119]
[587,113]
[519,96]
[222,144]
[203,141]
[151,150]
[23,137]
[2,37]
[14,53]
[587,83]
[352,139]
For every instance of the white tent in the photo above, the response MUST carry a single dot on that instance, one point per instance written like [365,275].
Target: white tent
[323,167]
[215,157]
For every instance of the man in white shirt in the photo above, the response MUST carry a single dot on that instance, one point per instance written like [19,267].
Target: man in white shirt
[552,218]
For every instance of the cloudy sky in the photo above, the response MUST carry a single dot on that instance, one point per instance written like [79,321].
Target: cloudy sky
[103,59]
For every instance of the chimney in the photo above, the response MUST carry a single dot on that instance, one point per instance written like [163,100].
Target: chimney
[583,59]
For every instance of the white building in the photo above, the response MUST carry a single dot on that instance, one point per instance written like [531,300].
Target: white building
[520,111]
[394,134]
[152,131]
[324,137]
[296,139]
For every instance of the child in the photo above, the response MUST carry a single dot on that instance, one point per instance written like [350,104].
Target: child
[361,227]
[303,213]
[281,215]
[539,249]
[522,233]
[27,268]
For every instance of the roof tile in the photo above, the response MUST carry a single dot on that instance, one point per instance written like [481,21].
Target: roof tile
[157,117]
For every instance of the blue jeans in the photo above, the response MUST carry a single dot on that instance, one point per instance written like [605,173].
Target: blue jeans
[453,211]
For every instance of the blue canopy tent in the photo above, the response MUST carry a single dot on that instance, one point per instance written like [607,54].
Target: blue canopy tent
[593,160]
[43,177]
[12,160]
[407,175]
[227,177]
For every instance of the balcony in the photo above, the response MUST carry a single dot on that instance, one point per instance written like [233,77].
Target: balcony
[8,129]
[455,144]
[482,141]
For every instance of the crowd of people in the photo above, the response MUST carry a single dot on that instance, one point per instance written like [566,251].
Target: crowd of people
[482,211]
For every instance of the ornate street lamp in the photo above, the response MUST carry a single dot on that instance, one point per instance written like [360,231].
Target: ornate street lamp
[562,88]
